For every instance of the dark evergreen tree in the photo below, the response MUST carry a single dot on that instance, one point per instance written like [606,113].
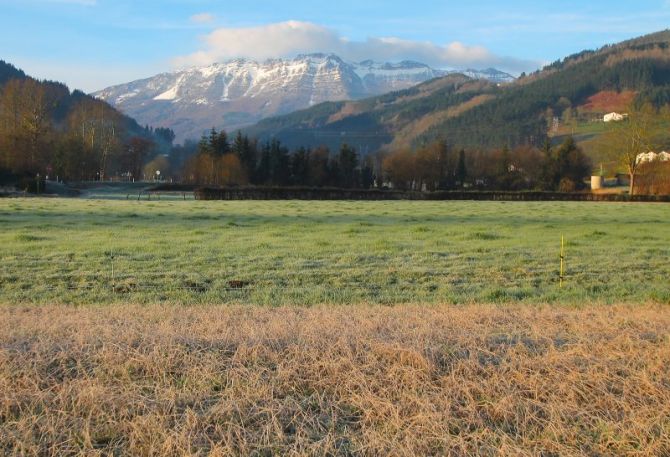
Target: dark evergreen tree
[334,175]
[279,164]
[319,169]
[347,161]
[367,176]
[204,145]
[461,170]
[218,143]
[300,167]
[246,152]
[572,166]
[263,173]
[445,181]
[165,134]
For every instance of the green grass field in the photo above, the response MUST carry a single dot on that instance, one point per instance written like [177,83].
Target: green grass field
[524,368]
[77,251]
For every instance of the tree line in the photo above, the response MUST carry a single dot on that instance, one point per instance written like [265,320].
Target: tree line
[220,161]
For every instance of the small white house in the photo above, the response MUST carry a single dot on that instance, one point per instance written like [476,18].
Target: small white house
[614,117]
[652,157]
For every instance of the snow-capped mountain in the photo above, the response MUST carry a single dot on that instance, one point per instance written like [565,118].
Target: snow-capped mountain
[241,92]
[490,74]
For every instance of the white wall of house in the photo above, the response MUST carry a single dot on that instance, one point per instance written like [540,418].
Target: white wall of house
[613,117]
[646,157]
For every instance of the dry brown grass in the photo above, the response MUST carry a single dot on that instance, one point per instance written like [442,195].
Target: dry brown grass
[360,380]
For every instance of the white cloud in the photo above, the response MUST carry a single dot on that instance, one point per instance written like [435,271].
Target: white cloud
[202,18]
[286,39]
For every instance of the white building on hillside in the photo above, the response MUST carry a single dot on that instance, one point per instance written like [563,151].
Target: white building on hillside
[652,157]
[614,117]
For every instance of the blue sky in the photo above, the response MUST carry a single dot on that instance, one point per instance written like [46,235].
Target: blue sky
[90,44]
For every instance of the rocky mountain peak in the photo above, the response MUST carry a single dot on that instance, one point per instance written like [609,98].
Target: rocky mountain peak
[241,92]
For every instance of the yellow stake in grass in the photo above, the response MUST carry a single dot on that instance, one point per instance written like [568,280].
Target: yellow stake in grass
[562,262]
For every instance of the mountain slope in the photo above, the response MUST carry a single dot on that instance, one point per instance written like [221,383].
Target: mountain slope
[59,100]
[46,129]
[9,71]
[241,92]
[475,114]
[368,124]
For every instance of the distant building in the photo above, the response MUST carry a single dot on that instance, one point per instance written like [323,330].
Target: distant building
[597,182]
[622,179]
[614,117]
[647,157]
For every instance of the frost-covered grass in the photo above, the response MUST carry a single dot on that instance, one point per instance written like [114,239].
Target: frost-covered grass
[424,380]
[270,252]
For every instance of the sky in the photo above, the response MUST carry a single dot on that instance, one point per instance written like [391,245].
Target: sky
[92,44]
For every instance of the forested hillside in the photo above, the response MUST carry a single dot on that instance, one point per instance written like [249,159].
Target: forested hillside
[45,129]
[371,123]
[8,72]
[466,113]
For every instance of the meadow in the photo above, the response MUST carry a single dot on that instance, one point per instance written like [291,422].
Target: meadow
[260,328]
[77,251]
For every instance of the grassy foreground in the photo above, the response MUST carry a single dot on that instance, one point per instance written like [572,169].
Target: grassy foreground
[361,380]
[106,251]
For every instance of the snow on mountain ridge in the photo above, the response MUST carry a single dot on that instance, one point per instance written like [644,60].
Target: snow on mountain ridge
[241,92]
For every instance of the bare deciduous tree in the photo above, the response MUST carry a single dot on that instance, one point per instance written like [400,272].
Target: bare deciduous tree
[640,132]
